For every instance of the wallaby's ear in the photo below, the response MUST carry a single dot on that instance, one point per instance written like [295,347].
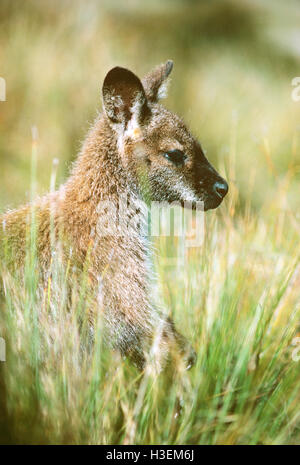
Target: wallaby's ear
[155,83]
[123,96]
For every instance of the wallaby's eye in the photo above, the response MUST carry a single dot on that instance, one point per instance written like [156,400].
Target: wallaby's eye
[175,156]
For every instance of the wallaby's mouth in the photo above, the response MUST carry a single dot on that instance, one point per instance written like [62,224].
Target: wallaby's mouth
[212,203]
[208,204]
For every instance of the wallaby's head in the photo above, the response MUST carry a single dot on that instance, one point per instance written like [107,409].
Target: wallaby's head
[154,144]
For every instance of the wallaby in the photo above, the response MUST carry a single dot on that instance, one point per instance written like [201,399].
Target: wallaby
[136,149]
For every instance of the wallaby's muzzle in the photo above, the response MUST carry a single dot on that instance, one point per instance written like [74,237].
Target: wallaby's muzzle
[211,188]
[215,194]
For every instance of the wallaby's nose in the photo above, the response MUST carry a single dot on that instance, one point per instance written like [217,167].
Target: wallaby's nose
[221,188]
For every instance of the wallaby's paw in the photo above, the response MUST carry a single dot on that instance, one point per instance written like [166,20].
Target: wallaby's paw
[190,357]
[191,360]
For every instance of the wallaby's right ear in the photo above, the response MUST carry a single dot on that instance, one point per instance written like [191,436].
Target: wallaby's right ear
[155,83]
[124,97]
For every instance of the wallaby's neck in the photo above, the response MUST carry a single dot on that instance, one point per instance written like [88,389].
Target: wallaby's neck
[98,173]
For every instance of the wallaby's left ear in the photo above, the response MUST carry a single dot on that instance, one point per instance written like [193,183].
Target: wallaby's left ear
[155,83]
[123,96]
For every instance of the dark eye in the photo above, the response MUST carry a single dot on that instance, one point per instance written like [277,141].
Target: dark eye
[175,156]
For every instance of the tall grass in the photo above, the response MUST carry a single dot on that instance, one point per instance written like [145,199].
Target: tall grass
[236,298]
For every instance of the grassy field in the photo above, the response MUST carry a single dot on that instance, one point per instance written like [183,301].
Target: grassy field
[237,298]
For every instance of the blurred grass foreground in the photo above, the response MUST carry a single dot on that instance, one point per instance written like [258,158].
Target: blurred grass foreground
[237,298]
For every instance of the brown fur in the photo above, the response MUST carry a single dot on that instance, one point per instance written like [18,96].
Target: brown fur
[124,147]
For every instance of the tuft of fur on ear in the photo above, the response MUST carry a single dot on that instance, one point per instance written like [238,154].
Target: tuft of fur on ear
[155,83]
[124,97]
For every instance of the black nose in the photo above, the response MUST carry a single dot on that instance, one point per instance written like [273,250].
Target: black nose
[221,188]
